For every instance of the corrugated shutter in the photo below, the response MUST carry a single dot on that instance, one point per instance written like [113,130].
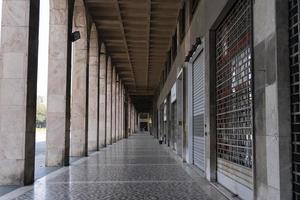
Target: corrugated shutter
[198,113]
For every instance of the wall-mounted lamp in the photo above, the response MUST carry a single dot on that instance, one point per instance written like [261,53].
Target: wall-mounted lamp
[198,41]
[193,49]
[75,36]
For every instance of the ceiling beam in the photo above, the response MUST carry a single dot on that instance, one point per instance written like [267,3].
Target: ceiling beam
[117,4]
[137,34]
[148,38]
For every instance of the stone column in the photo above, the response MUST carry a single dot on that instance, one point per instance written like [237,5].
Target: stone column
[120,109]
[129,117]
[123,114]
[117,108]
[108,101]
[57,84]
[18,83]
[79,77]
[135,118]
[113,110]
[132,121]
[122,117]
[132,118]
[272,101]
[102,98]
[93,90]
[135,121]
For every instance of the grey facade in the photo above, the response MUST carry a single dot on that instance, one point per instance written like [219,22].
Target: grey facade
[272,142]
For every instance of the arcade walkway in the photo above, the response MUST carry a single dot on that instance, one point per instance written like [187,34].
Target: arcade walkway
[136,168]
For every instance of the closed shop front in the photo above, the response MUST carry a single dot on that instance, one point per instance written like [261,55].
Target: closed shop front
[198,110]
[294,6]
[174,128]
[234,102]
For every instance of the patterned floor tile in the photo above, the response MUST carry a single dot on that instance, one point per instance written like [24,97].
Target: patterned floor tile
[137,168]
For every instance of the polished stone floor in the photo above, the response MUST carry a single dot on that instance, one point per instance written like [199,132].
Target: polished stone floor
[134,169]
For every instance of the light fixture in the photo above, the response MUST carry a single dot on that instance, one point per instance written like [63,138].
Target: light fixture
[75,36]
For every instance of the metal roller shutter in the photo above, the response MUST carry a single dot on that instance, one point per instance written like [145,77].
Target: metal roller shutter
[198,113]
[234,96]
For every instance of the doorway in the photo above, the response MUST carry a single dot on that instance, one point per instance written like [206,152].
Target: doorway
[144,127]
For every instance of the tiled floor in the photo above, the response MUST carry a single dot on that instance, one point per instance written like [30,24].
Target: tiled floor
[40,168]
[134,169]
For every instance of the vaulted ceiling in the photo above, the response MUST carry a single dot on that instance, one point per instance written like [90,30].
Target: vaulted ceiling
[137,34]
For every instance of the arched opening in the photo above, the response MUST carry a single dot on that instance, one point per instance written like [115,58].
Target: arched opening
[93,90]
[42,84]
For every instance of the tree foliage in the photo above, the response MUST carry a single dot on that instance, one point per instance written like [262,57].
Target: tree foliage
[41,115]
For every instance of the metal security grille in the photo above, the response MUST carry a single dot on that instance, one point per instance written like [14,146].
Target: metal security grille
[294,12]
[198,112]
[234,88]
[174,126]
[161,122]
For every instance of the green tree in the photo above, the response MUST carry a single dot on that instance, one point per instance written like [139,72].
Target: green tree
[41,115]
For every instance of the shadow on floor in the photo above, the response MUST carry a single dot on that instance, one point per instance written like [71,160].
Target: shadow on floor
[6,189]
[40,166]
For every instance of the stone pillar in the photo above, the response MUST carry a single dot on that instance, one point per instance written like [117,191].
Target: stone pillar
[57,85]
[113,110]
[18,83]
[117,108]
[129,117]
[79,81]
[135,121]
[123,112]
[120,109]
[132,118]
[272,101]
[102,98]
[108,101]
[93,90]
